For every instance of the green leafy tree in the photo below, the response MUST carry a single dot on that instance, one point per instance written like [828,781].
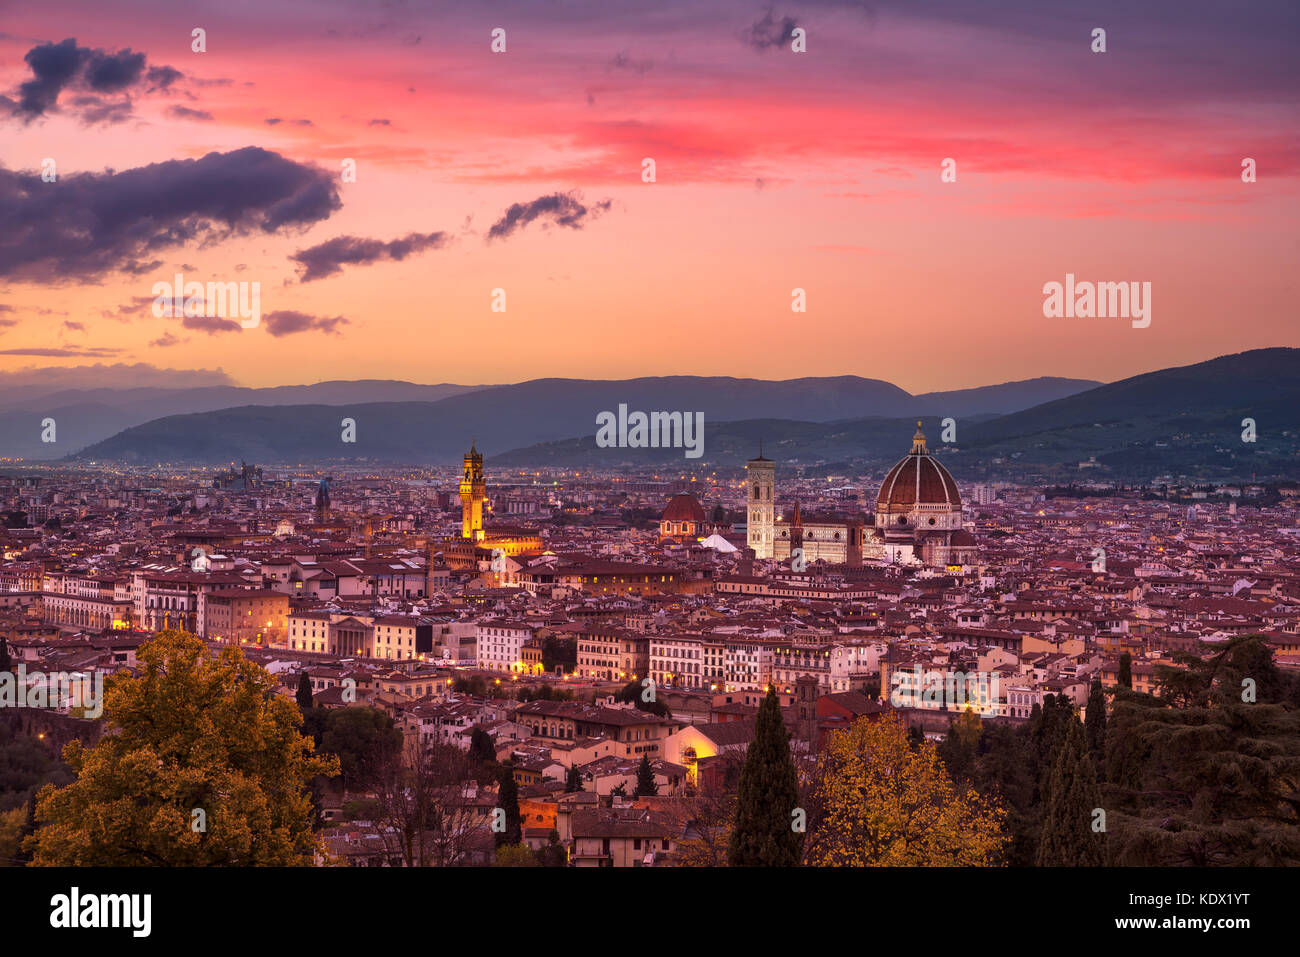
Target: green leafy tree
[645,779]
[763,835]
[516,855]
[553,854]
[26,765]
[573,781]
[1068,838]
[191,733]
[12,833]
[1126,670]
[358,735]
[475,686]
[1212,782]
[635,694]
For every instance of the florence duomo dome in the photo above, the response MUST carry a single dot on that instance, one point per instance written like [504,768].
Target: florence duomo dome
[918,512]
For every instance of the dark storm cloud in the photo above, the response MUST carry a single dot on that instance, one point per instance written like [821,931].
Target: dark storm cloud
[95,223]
[286,322]
[96,73]
[331,256]
[563,209]
[768,32]
[54,66]
[113,72]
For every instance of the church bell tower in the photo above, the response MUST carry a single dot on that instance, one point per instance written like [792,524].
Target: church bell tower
[473,492]
[760,475]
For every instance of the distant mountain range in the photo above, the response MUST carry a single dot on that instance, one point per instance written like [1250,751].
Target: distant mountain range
[85,416]
[1180,421]
[1185,420]
[282,426]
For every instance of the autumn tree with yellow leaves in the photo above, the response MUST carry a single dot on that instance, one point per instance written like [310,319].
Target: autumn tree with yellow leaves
[201,763]
[885,802]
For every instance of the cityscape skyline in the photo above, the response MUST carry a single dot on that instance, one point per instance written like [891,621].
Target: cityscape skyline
[780,435]
[606,648]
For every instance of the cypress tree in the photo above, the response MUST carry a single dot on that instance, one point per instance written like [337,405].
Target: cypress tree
[645,779]
[1126,670]
[1046,735]
[573,781]
[481,748]
[1095,724]
[6,661]
[508,800]
[304,691]
[763,835]
[1068,839]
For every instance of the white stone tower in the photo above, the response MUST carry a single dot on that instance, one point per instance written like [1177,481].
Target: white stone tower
[760,474]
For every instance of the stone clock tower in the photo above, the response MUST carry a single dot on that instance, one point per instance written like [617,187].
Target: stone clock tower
[473,492]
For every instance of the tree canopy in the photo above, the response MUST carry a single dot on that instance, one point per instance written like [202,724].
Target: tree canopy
[202,763]
[886,803]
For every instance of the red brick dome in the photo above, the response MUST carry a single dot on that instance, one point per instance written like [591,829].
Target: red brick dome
[918,479]
[684,508]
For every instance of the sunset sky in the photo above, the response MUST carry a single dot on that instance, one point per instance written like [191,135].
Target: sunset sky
[522,170]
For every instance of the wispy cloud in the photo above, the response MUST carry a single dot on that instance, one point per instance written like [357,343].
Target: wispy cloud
[562,209]
[329,257]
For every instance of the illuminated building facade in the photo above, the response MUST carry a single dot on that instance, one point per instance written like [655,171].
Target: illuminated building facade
[760,475]
[473,493]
